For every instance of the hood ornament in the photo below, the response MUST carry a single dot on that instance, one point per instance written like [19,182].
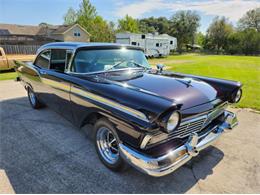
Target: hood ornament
[186,82]
[160,68]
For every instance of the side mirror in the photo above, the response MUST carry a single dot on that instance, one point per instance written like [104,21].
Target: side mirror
[160,67]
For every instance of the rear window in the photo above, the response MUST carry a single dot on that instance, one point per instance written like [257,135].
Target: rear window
[43,59]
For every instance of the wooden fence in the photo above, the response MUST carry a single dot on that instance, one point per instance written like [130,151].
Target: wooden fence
[20,49]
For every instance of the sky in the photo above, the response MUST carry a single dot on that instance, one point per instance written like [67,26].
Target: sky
[33,12]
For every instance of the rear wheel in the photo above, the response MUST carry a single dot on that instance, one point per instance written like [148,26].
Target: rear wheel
[33,99]
[106,142]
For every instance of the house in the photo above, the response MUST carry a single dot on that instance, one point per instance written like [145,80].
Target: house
[154,45]
[71,33]
[13,37]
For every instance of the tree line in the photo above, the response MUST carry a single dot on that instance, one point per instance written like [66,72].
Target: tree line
[220,37]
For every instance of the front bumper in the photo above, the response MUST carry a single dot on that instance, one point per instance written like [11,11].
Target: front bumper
[165,164]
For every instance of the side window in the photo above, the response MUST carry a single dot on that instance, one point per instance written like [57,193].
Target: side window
[157,44]
[58,60]
[133,43]
[171,42]
[43,59]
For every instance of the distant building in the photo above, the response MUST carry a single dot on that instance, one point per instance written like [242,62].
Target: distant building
[35,36]
[154,45]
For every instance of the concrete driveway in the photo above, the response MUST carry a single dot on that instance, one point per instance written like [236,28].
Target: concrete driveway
[40,152]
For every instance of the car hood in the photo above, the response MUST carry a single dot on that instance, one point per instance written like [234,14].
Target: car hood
[182,90]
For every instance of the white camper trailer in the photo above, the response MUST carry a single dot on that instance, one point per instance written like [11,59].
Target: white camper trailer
[154,45]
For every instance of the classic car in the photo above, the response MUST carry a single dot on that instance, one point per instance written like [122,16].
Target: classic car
[152,119]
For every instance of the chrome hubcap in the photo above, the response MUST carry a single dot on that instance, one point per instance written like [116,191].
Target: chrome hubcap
[32,97]
[107,145]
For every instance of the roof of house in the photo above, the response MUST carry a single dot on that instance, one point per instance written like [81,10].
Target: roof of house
[14,29]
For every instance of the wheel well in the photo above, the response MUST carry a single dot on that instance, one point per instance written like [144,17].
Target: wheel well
[91,119]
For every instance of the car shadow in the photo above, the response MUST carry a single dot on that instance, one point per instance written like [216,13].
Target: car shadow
[41,152]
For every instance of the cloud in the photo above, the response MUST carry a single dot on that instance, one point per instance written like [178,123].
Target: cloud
[233,9]
[139,8]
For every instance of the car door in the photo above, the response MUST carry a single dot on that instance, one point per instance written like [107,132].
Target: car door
[46,87]
[60,82]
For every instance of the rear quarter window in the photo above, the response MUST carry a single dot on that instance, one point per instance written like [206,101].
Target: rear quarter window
[43,59]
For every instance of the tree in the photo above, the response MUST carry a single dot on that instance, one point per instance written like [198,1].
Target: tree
[234,45]
[251,20]
[250,42]
[145,28]
[102,31]
[218,33]
[184,25]
[70,17]
[151,25]
[86,16]
[199,38]
[128,24]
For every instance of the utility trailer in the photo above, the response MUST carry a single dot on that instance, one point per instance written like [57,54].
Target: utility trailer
[154,45]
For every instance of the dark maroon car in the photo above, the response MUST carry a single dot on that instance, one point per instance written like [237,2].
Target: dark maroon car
[152,119]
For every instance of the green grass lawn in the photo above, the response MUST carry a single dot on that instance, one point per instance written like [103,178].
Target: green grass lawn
[239,68]
[7,75]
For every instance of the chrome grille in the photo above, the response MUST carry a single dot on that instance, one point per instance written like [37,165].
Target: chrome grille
[189,126]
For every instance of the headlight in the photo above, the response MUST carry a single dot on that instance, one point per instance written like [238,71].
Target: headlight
[237,96]
[173,121]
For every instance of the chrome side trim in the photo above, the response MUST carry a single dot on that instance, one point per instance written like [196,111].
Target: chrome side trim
[176,157]
[56,84]
[110,103]
[97,98]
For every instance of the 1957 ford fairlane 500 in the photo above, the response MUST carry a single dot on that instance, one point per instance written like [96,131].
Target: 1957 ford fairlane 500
[149,118]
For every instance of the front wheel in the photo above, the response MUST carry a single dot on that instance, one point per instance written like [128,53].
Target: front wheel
[106,142]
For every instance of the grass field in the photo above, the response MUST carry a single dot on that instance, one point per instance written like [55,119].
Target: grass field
[7,75]
[240,68]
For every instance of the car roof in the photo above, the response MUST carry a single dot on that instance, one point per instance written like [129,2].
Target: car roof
[77,45]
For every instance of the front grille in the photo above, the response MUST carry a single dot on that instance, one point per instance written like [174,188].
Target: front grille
[189,126]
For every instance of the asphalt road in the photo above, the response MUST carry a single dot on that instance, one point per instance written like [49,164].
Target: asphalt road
[40,152]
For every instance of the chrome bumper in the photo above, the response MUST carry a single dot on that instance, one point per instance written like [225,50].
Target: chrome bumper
[175,158]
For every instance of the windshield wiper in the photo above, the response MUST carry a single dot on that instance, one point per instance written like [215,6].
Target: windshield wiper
[140,65]
[133,62]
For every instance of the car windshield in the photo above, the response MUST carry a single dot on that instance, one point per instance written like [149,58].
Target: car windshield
[91,61]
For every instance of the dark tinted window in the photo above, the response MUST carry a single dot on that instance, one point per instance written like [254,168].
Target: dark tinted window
[58,59]
[171,42]
[133,43]
[157,44]
[43,59]
[143,36]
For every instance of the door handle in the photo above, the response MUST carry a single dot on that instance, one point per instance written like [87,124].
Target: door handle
[42,72]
